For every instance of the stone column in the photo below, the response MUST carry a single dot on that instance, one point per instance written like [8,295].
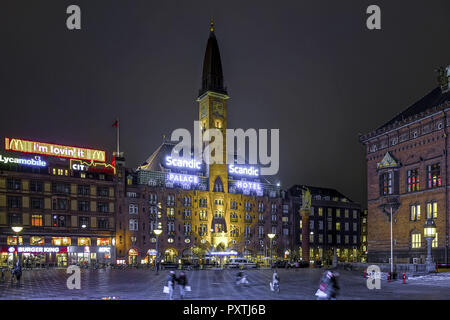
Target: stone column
[304,213]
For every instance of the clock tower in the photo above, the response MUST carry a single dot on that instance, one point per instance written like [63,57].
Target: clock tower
[212,101]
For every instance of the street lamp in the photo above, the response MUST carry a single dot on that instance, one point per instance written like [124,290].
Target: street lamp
[17,230]
[157,233]
[271,236]
[429,232]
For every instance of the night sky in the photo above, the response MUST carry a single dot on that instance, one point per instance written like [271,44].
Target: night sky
[310,68]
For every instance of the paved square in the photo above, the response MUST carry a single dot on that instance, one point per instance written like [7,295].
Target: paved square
[214,284]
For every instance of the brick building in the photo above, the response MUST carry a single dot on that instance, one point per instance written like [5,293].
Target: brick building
[334,223]
[407,164]
[206,212]
[64,210]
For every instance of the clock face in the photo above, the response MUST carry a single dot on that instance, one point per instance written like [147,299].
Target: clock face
[218,108]
[203,111]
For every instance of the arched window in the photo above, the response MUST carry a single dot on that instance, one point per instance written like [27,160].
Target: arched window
[218,186]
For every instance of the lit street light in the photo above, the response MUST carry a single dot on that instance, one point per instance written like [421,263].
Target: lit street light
[429,233]
[271,236]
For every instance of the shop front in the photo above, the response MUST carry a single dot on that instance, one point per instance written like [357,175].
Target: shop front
[35,256]
[132,256]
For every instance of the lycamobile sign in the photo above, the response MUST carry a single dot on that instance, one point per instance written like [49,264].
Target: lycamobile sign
[36,162]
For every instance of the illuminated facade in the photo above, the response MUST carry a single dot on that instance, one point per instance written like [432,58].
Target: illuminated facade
[207,213]
[407,161]
[65,207]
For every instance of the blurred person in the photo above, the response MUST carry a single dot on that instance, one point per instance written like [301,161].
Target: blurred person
[275,281]
[171,279]
[182,282]
[329,287]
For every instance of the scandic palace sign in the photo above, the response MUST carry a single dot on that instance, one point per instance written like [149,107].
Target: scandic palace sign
[54,150]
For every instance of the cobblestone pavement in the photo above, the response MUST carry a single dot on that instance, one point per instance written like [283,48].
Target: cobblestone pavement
[209,285]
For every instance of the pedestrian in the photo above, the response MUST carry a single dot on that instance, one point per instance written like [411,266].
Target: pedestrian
[171,278]
[18,271]
[182,282]
[275,281]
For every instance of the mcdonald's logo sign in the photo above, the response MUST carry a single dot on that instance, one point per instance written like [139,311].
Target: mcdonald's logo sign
[54,150]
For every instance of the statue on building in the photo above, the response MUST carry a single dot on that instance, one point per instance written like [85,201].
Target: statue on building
[306,198]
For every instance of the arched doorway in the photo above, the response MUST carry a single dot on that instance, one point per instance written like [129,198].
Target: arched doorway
[171,255]
[132,256]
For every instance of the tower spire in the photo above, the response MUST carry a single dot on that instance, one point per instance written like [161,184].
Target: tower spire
[211,25]
[212,76]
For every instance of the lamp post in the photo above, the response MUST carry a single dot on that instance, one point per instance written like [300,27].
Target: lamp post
[157,233]
[17,230]
[271,236]
[429,233]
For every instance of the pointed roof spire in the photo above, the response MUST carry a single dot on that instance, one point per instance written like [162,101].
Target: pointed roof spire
[212,76]
[211,25]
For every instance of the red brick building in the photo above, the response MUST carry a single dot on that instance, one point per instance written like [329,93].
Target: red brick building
[407,169]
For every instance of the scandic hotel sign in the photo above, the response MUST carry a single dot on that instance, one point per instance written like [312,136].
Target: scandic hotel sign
[54,150]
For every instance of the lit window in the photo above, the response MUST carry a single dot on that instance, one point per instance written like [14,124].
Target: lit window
[415,212]
[413,180]
[434,175]
[61,241]
[83,241]
[432,210]
[36,220]
[416,240]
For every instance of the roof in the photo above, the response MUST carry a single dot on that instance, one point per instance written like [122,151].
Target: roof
[296,191]
[212,77]
[434,98]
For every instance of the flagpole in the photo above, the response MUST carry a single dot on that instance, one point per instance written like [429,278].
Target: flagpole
[118,137]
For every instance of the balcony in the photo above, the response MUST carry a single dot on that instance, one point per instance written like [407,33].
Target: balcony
[187,217]
[233,219]
[171,217]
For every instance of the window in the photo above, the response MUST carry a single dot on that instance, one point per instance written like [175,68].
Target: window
[204,203]
[260,231]
[415,212]
[83,206]
[187,227]
[285,231]
[413,180]
[36,186]
[346,213]
[416,241]
[386,184]
[338,226]
[153,198]
[15,219]
[84,241]
[14,184]
[61,241]
[274,230]
[14,240]
[346,239]
[102,191]
[203,215]
[37,241]
[432,210]
[170,200]
[61,188]
[103,223]
[338,213]
[36,220]
[320,238]
[60,172]
[133,225]
[103,207]
[346,226]
[60,204]
[37,203]
[103,242]
[14,202]
[60,221]
[133,208]
[170,212]
[83,222]
[434,175]
[355,214]
[84,190]
[320,212]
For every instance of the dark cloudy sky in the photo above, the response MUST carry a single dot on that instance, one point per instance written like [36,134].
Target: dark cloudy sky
[309,68]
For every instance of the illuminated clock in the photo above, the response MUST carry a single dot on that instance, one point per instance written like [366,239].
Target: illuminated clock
[203,111]
[218,108]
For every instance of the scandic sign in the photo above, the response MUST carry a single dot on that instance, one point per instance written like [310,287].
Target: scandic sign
[54,150]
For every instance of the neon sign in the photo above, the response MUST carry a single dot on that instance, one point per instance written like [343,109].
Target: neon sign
[248,186]
[182,178]
[181,163]
[41,249]
[36,162]
[243,171]
[78,165]
[54,150]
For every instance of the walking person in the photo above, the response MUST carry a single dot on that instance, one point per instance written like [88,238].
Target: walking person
[275,281]
[182,282]
[171,279]
[18,271]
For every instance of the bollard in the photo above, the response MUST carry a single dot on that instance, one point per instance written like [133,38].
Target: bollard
[365,274]
[404,278]
[389,277]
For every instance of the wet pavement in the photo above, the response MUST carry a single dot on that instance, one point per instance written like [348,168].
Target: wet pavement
[145,284]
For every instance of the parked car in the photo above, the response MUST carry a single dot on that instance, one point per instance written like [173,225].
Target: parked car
[299,264]
[281,264]
[169,265]
[241,263]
